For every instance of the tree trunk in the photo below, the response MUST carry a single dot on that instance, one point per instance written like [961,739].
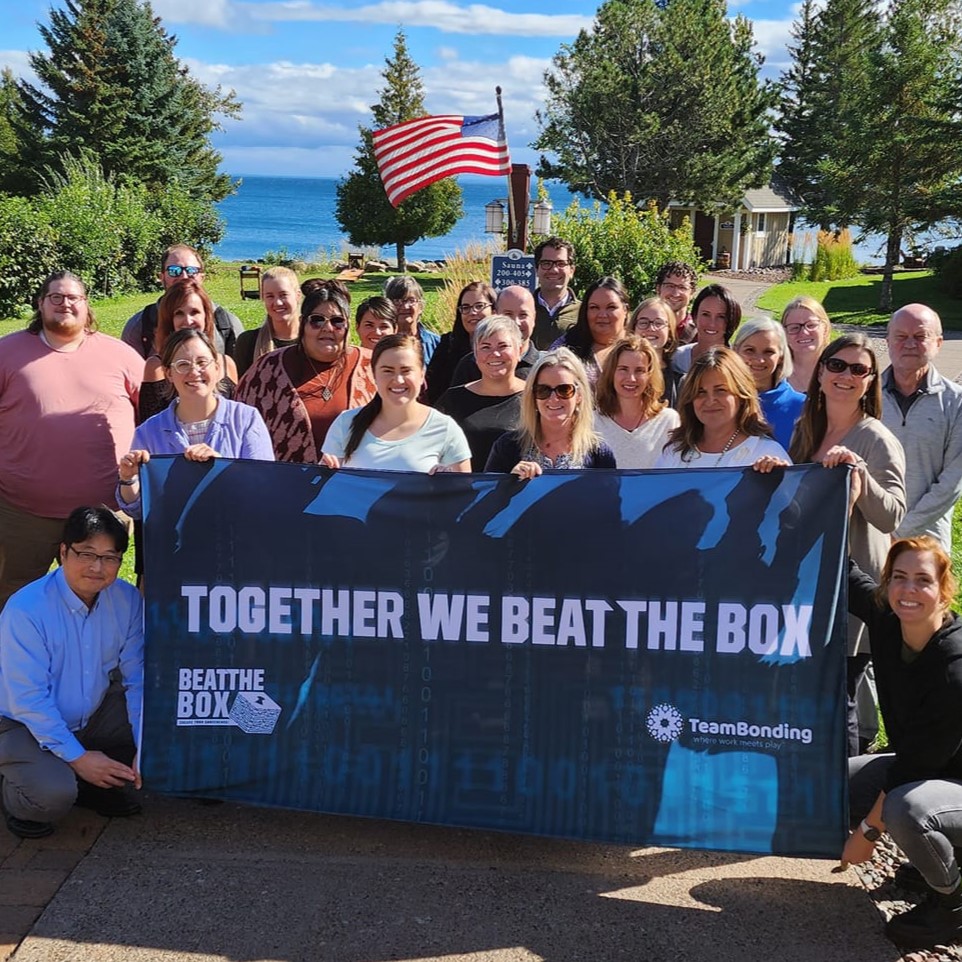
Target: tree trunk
[892,249]
[402,264]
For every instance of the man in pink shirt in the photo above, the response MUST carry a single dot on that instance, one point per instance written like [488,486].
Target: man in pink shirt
[68,398]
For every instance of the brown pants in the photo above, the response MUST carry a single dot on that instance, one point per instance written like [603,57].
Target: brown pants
[28,546]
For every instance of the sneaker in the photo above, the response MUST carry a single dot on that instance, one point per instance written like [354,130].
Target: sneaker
[937,921]
[109,802]
[24,828]
[908,877]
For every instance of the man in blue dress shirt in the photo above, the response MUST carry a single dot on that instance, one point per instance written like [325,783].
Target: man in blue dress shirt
[72,683]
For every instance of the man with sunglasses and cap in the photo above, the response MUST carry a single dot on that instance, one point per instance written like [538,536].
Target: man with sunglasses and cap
[71,683]
[180,263]
[924,411]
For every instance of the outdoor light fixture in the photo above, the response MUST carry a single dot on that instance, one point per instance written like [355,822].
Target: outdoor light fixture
[542,218]
[494,217]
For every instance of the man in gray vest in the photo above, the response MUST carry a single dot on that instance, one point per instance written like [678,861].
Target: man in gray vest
[924,411]
[179,263]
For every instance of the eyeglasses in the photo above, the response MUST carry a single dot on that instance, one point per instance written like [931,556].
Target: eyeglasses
[809,327]
[59,299]
[917,338]
[836,365]
[175,270]
[565,391]
[91,558]
[548,265]
[319,320]
[677,288]
[407,301]
[474,308]
[655,325]
[185,365]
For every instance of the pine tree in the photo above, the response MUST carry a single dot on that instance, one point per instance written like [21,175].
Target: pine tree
[9,142]
[112,85]
[662,99]
[362,207]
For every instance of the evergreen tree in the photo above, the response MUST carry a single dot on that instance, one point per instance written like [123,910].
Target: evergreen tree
[362,208]
[661,99]
[9,142]
[111,84]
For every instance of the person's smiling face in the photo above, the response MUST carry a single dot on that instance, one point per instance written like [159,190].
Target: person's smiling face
[715,404]
[325,332]
[606,315]
[843,387]
[711,321]
[399,376]
[761,352]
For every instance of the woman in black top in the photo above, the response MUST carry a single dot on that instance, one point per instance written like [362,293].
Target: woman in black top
[914,791]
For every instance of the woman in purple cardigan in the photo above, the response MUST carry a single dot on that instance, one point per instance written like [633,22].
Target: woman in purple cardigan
[198,423]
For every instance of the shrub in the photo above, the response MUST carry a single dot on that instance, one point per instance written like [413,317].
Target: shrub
[28,253]
[473,263]
[624,240]
[947,266]
[834,259]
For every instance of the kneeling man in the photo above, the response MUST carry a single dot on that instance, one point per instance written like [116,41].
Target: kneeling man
[72,683]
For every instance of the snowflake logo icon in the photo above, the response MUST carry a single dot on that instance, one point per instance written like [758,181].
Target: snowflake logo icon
[665,723]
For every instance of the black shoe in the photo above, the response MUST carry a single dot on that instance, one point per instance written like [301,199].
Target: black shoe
[109,802]
[908,877]
[937,921]
[24,828]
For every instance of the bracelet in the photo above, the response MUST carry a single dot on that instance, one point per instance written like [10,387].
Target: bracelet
[124,483]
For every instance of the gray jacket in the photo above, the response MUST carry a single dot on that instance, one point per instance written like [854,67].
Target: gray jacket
[931,434]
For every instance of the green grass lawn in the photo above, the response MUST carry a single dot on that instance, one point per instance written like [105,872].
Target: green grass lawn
[223,285]
[855,301]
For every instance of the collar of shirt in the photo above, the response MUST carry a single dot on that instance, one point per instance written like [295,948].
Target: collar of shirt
[73,603]
[564,302]
[926,385]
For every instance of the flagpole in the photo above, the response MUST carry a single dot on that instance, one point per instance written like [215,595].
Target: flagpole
[512,213]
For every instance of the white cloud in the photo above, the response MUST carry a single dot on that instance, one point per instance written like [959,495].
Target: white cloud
[772,38]
[17,61]
[448,53]
[442,15]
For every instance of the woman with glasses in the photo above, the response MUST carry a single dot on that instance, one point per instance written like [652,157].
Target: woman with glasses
[556,427]
[721,423]
[184,306]
[199,423]
[394,431]
[476,301]
[840,425]
[632,417]
[301,389]
[654,320]
[808,330]
[281,297]
[408,298]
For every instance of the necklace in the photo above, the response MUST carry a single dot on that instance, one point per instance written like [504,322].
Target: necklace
[334,373]
[727,446]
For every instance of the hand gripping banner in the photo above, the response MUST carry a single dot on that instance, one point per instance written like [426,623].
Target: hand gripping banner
[639,657]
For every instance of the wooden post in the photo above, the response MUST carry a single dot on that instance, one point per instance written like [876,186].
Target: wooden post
[518,203]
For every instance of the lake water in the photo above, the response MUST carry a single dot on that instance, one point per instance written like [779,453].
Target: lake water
[297,213]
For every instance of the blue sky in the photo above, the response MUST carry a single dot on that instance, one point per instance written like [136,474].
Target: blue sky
[307,71]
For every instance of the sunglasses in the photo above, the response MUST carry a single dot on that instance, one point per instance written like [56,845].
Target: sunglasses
[565,391]
[836,366]
[319,320]
[175,270]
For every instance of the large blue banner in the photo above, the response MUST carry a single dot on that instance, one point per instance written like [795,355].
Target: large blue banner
[641,657]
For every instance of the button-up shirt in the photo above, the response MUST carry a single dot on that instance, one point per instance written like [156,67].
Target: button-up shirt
[56,657]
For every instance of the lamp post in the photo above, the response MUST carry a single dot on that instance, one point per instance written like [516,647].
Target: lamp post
[518,203]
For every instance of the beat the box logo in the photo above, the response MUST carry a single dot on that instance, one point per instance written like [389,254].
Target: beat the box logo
[225,697]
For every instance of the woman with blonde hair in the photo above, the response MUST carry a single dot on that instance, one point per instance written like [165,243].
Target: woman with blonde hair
[632,416]
[281,296]
[654,320]
[808,331]
[721,419]
[557,423]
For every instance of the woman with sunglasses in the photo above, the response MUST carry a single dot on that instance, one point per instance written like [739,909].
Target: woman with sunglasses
[475,302]
[556,429]
[721,420]
[184,306]
[301,389]
[394,431]
[654,321]
[840,425]
[199,423]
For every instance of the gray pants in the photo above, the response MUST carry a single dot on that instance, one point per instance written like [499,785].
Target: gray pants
[40,787]
[924,818]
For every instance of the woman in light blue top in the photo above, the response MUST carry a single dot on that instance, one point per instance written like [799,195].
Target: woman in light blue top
[394,431]
[198,423]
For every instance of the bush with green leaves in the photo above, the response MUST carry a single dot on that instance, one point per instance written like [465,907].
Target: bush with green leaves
[625,240]
[28,253]
[947,267]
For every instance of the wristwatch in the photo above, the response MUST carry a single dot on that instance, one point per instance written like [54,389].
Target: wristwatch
[871,833]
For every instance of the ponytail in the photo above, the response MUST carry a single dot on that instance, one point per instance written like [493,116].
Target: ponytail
[361,422]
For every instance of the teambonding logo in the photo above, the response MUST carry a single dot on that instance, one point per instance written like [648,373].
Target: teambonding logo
[665,723]
[225,697]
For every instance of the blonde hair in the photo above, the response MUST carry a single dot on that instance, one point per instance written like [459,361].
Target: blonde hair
[671,345]
[265,336]
[651,400]
[805,303]
[584,439]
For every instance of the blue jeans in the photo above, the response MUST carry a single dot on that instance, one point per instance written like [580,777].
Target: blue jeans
[924,818]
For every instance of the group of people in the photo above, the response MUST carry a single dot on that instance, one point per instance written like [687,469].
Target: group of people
[523,382]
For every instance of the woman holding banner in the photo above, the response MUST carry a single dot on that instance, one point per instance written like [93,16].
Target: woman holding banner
[198,423]
[395,431]
[840,425]
[721,420]
[557,423]
[914,790]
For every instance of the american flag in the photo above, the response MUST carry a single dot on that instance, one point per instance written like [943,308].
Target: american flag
[419,152]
